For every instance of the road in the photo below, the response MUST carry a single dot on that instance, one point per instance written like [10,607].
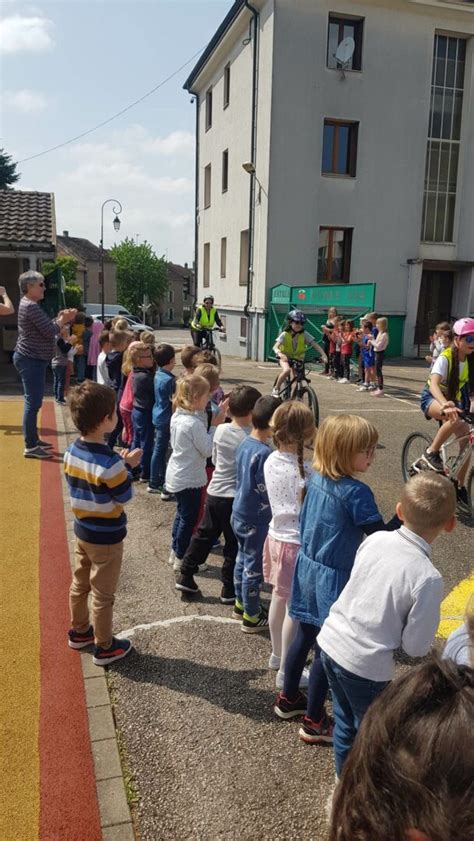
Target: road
[194,703]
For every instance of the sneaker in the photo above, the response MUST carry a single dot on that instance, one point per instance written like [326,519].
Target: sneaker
[143,480]
[433,460]
[316,732]
[304,679]
[343,380]
[61,402]
[462,498]
[227,596]
[363,388]
[377,393]
[372,387]
[238,611]
[284,708]
[166,497]
[45,444]
[77,640]
[105,656]
[274,662]
[275,392]
[187,584]
[255,624]
[151,490]
[202,568]
[216,546]
[177,563]
[172,557]
[37,452]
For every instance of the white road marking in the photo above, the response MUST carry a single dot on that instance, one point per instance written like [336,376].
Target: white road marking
[385,411]
[176,620]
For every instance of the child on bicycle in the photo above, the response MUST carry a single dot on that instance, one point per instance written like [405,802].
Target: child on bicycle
[293,344]
[445,395]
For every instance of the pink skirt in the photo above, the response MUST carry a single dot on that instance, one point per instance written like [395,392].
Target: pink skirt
[279,561]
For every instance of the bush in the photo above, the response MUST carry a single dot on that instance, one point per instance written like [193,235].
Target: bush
[73,295]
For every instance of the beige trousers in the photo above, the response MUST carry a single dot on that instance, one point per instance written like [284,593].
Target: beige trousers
[97,571]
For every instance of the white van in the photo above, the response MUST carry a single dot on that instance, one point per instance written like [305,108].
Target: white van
[111,310]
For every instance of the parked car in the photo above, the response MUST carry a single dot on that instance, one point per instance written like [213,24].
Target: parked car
[111,310]
[134,324]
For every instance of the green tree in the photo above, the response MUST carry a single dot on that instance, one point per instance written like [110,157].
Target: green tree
[68,266]
[73,295]
[8,173]
[139,272]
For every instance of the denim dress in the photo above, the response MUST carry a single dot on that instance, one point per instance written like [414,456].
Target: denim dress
[332,522]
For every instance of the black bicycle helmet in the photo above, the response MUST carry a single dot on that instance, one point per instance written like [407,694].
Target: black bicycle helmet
[297,315]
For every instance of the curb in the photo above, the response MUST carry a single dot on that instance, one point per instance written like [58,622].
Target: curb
[115,818]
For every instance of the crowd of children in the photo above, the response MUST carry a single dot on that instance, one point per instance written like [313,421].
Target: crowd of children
[345,585]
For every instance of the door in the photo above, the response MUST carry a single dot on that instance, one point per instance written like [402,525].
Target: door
[434,303]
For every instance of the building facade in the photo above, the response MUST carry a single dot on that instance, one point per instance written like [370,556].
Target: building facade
[88,269]
[176,309]
[355,173]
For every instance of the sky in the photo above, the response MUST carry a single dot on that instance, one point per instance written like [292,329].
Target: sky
[67,65]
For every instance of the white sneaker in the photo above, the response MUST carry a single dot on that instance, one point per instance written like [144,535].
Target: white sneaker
[275,392]
[377,393]
[177,563]
[202,568]
[274,662]
[280,679]
[363,388]
[172,557]
[343,380]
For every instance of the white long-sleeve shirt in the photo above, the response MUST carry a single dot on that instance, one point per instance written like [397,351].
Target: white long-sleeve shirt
[192,445]
[380,342]
[391,600]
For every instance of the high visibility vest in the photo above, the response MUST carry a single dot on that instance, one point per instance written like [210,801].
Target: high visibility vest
[287,346]
[463,374]
[207,319]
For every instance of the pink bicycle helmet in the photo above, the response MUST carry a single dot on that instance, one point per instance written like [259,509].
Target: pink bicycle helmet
[464,326]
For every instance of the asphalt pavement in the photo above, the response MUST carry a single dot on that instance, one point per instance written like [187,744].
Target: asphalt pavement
[194,702]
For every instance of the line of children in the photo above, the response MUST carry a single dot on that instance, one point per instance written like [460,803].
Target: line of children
[64,344]
[164,387]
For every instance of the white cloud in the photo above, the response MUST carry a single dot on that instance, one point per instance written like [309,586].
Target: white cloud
[19,33]
[26,101]
[174,144]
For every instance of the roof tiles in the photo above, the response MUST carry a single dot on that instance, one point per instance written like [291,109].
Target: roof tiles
[27,218]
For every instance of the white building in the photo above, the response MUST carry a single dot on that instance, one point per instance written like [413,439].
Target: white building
[361,176]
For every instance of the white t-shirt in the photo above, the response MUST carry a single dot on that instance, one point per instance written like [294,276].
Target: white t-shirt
[102,372]
[459,647]
[284,487]
[441,367]
[226,440]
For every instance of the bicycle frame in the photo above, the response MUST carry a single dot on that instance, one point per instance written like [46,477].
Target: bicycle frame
[299,376]
[454,463]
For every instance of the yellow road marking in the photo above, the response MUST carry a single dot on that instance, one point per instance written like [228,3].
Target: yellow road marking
[19,630]
[453,607]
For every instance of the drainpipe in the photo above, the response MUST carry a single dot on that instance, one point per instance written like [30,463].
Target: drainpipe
[196,210]
[253,158]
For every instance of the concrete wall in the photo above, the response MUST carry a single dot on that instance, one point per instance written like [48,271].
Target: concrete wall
[92,292]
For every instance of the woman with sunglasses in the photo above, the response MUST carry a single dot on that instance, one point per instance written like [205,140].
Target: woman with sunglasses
[446,394]
[34,350]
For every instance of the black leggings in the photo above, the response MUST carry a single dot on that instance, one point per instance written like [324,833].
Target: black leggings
[379,357]
[346,365]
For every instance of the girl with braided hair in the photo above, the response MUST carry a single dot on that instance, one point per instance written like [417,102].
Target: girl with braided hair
[286,475]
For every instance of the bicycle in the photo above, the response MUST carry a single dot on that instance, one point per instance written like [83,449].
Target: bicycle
[207,343]
[298,388]
[416,444]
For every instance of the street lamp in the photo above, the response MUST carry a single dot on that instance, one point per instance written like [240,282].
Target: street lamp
[116,223]
[249,167]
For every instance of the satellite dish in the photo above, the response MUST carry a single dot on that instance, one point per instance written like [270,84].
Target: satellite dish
[345,51]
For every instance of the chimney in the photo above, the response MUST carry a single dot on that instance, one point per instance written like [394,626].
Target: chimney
[65,233]
[185,265]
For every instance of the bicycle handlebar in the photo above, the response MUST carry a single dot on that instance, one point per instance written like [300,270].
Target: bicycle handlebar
[463,415]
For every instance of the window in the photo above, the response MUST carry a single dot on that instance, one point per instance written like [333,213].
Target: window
[223,256]
[207,186]
[243,328]
[208,109]
[244,258]
[444,135]
[340,28]
[340,148]
[206,264]
[226,85]
[334,255]
[225,170]
[170,314]
[170,296]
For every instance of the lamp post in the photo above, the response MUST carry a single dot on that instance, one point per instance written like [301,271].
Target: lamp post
[116,223]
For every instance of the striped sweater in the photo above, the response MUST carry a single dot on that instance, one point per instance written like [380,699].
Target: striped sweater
[99,486]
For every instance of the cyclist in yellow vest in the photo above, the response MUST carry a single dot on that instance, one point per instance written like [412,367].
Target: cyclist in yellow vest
[205,318]
[447,393]
[293,344]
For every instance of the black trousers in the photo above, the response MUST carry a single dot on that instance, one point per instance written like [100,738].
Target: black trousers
[215,521]
[198,337]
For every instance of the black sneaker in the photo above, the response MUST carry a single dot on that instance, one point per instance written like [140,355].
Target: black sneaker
[284,708]
[462,498]
[238,611]
[77,641]
[105,656]
[316,732]
[45,445]
[255,624]
[37,452]
[433,460]
[187,584]
[227,596]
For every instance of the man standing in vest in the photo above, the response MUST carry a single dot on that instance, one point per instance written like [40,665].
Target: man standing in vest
[205,318]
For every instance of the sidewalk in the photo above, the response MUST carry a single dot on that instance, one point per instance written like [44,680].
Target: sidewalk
[49,766]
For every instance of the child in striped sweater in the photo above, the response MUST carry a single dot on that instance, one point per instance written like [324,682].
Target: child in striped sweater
[100,483]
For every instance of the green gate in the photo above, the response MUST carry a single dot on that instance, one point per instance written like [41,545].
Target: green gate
[352,300]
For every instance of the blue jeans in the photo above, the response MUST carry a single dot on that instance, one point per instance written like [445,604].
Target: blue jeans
[59,381]
[33,374]
[298,651]
[248,574]
[351,697]
[188,503]
[80,363]
[143,438]
[158,459]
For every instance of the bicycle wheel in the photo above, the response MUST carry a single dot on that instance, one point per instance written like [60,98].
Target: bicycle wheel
[218,356]
[413,449]
[307,395]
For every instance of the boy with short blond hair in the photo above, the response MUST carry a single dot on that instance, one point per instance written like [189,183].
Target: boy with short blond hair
[392,600]
[100,483]
[188,353]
